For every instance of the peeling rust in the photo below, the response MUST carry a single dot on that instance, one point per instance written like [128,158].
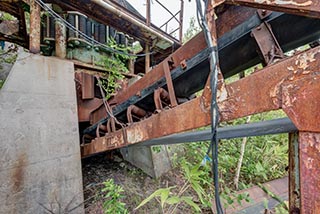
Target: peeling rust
[309,172]
[285,2]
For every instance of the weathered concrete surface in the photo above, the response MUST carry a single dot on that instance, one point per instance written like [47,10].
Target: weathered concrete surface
[40,165]
[152,163]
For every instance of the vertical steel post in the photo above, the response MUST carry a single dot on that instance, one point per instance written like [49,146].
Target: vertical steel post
[309,150]
[35,20]
[181,21]
[61,41]
[147,49]
[294,167]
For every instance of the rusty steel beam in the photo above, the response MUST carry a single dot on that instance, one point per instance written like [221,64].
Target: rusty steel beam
[308,8]
[309,149]
[35,25]
[301,98]
[259,92]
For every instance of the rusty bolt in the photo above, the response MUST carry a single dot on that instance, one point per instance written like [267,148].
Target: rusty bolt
[183,64]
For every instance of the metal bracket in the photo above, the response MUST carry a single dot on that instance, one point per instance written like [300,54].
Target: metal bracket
[160,95]
[172,95]
[135,111]
[268,45]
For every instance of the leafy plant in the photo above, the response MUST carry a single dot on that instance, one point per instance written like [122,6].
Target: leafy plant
[112,195]
[115,64]
[168,201]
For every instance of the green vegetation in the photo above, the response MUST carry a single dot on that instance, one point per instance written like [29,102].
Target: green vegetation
[191,31]
[116,64]
[113,197]
[6,16]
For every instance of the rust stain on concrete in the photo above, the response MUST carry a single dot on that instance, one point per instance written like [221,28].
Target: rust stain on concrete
[18,173]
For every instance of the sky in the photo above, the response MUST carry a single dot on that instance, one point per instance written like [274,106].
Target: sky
[160,16]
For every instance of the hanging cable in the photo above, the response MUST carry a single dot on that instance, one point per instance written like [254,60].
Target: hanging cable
[86,37]
[214,106]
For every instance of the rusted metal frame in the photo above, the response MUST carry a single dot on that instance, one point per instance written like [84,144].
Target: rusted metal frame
[294,172]
[268,45]
[308,8]
[167,73]
[225,23]
[301,102]
[100,115]
[243,99]
[35,26]
[85,96]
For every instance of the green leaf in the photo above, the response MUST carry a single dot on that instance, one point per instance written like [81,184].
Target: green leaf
[157,193]
[173,200]
[189,201]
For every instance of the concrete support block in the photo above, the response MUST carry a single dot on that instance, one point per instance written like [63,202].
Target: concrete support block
[154,163]
[40,166]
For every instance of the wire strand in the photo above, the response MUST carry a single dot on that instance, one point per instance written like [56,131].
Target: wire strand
[214,106]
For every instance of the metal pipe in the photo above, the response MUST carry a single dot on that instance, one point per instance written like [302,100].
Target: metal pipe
[127,17]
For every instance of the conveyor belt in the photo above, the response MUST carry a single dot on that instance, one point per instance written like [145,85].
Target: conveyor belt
[237,51]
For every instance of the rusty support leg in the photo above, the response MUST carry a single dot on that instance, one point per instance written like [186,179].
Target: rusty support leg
[61,39]
[172,95]
[34,44]
[309,172]
[268,45]
[294,184]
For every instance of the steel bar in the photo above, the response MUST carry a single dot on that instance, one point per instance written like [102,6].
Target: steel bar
[309,8]
[276,126]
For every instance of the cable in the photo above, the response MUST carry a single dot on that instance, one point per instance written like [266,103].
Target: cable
[214,105]
[86,37]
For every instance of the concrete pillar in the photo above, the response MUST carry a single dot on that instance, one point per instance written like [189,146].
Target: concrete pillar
[40,165]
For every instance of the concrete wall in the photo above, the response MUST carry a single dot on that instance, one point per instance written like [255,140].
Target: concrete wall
[40,165]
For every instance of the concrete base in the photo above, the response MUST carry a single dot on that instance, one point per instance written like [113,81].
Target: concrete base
[40,167]
[153,163]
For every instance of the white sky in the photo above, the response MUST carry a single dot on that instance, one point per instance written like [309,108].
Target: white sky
[159,16]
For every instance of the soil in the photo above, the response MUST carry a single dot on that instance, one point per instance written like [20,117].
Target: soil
[137,185]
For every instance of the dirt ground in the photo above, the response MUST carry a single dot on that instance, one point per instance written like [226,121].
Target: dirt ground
[137,185]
